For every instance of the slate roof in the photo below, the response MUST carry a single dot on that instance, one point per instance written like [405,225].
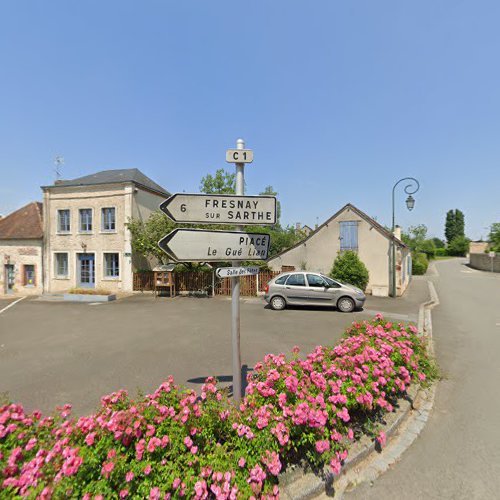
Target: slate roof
[23,224]
[114,177]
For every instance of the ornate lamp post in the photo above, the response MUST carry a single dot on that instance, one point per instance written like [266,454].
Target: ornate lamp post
[410,189]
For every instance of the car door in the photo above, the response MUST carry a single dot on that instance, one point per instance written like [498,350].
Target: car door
[296,289]
[320,292]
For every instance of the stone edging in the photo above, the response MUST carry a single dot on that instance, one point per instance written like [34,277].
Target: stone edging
[363,463]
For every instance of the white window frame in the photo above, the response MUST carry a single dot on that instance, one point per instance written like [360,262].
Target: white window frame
[108,231]
[120,261]
[56,267]
[58,231]
[79,221]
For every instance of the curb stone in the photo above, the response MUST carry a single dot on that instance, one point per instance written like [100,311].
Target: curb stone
[363,463]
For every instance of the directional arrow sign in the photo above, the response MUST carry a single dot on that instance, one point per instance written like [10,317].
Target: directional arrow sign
[197,245]
[220,209]
[226,272]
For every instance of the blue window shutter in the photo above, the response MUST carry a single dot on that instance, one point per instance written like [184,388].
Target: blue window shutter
[348,235]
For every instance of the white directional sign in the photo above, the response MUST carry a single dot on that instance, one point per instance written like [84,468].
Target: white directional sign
[220,209]
[198,245]
[227,272]
[239,156]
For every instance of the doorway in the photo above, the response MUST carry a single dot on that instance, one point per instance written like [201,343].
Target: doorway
[86,270]
[9,278]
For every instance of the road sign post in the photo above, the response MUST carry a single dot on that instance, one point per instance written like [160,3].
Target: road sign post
[196,245]
[235,287]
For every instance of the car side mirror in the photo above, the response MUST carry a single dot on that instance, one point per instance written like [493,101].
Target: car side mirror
[327,285]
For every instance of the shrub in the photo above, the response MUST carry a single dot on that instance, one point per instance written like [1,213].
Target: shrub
[441,252]
[458,246]
[427,247]
[89,291]
[419,264]
[174,443]
[349,269]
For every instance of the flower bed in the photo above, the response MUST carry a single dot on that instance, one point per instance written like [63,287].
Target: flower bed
[173,444]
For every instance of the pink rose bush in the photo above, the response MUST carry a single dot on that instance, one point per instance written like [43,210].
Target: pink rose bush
[176,444]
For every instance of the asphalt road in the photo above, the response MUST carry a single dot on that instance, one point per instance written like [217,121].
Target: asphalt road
[52,353]
[457,455]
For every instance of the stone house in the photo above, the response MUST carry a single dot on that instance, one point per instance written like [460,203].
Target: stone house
[87,243]
[351,229]
[21,251]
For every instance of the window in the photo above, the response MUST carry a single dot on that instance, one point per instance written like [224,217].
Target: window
[63,221]
[315,281]
[29,275]
[111,265]
[85,220]
[296,280]
[348,235]
[332,283]
[108,219]
[61,265]
[281,280]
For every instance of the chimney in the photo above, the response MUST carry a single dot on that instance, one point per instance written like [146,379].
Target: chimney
[297,226]
[397,232]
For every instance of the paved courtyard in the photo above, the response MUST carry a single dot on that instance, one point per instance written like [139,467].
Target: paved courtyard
[55,352]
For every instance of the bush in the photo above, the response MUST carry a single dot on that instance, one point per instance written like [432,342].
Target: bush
[174,443]
[458,246]
[427,247]
[419,264]
[347,268]
[441,252]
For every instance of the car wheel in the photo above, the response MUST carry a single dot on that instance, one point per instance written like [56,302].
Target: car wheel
[345,305]
[278,303]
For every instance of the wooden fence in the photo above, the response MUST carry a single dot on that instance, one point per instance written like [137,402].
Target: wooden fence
[199,281]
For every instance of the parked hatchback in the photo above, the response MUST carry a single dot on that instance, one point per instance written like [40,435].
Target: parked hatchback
[308,288]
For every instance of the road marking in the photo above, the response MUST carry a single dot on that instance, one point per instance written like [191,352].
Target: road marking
[11,304]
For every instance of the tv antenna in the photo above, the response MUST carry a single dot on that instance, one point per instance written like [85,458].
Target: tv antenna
[58,162]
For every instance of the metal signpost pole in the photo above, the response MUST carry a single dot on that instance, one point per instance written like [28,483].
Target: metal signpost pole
[235,291]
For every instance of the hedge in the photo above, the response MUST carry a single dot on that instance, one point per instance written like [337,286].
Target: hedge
[174,443]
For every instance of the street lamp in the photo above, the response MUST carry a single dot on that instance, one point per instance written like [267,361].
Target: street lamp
[410,189]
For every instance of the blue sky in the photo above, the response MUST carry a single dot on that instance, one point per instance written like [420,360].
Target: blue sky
[337,99]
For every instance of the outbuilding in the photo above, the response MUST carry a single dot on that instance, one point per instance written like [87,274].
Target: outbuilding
[351,229]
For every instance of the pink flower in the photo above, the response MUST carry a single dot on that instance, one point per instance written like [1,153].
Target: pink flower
[242,462]
[176,483]
[194,450]
[123,493]
[382,438]
[154,493]
[107,468]
[147,470]
[129,476]
[188,442]
[322,446]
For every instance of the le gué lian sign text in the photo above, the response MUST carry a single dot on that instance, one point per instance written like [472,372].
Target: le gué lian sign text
[220,209]
[197,245]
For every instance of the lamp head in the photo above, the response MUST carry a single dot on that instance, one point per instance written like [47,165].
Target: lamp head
[410,202]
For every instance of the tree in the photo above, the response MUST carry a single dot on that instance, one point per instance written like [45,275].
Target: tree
[458,246]
[438,242]
[269,191]
[454,225]
[222,182]
[494,237]
[348,268]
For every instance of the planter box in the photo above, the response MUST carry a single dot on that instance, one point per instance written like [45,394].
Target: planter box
[77,297]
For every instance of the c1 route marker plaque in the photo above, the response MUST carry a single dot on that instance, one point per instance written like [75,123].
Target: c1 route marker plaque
[228,272]
[199,245]
[220,209]
[239,156]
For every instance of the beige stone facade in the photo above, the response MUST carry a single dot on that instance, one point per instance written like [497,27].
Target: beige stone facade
[21,271]
[373,245]
[83,250]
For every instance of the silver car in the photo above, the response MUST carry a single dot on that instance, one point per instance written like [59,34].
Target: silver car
[308,288]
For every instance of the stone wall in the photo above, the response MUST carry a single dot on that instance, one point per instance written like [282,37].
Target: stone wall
[483,262]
